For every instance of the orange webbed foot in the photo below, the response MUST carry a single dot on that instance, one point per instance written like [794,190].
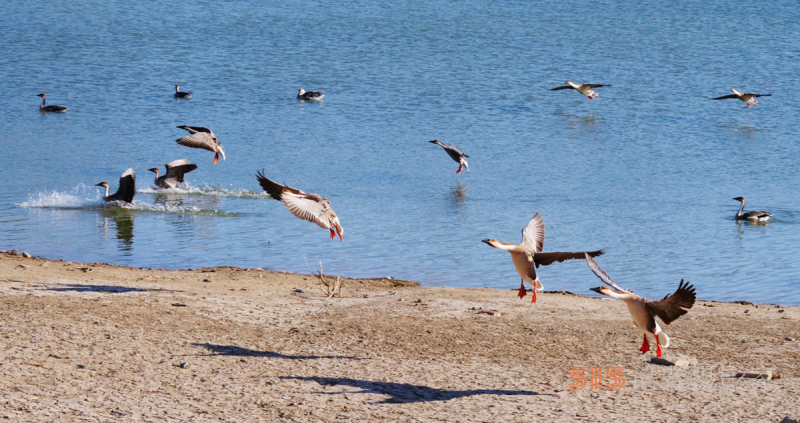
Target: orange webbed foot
[533,300]
[216,159]
[333,234]
[658,347]
[522,291]
[645,346]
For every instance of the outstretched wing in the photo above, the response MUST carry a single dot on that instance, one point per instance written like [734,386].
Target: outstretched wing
[533,235]
[597,85]
[274,189]
[602,275]
[177,168]
[758,95]
[726,96]
[203,140]
[550,257]
[565,87]
[675,305]
[308,207]
[127,187]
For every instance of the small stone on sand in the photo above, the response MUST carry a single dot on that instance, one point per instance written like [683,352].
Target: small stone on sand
[25,254]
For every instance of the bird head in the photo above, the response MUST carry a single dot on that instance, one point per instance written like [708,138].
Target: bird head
[739,199]
[491,242]
[301,92]
[41,95]
[155,170]
[435,142]
[183,126]
[102,184]
[601,290]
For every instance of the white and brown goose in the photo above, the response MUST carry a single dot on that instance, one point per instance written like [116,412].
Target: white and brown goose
[457,155]
[126,190]
[309,95]
[174,175]
[585,89]
[310,207]
[758,216]
[204,138]
[181,94]
[645,311]
[51,108]
[748,98]
[528,255]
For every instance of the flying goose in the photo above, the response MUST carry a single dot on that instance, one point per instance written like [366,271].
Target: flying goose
[528,255]
[760,216]
[748,98]
[126,190]
[585,89]
[202,138]
[181,94]
[51,108]
[310,207]
[175,171]
[644,311]
[309,95]
[454,154]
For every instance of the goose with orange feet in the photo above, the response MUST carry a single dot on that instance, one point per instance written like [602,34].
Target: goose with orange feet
[585,89]
[457,155]
[748,98]
[200,137]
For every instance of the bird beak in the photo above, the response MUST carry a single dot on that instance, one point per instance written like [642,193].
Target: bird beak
[597,290]
[487,241]
[99,185]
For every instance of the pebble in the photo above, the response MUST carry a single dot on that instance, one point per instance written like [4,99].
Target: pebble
[26,254]
[15,252]
[298,290]
[788,419]
[679,360]
[788,338]
[206,280]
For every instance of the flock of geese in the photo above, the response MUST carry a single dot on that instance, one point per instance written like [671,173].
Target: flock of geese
[527,256]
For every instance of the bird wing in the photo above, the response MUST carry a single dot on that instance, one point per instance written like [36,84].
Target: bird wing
[596,85]
[675,305]
[533,234]
[565,87]
[758,95]
[127,187]
[274,189]
[454,153]
[310,207]
[177,168]
[550,257]
[203,140]
[725,96]
[602,275]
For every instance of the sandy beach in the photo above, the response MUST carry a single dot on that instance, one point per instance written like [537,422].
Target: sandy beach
[101,343]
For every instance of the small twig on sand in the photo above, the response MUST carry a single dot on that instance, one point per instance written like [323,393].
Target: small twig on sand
[330,289]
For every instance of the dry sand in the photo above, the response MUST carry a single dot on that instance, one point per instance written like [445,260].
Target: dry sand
[97,343]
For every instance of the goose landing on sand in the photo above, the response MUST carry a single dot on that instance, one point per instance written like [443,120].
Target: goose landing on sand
[454,154]
[126,190]
[175,171]
[645,311]
[202,138]
[310,207]
[748,98]
[309,95]
[585,89]
[51,108]
[758,216]
[528,255]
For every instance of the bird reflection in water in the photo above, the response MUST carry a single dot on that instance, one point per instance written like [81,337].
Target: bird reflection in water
[123,222]
[459,195]
[168,199]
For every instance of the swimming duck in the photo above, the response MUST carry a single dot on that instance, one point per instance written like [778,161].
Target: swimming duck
[759,216]
[310,207]
[309,95]
[175,171]
[202,138]
[528,255]
[748,98]
[645,311]
[52,107]
[126,190]
[181,94]
[454,154]
[585,89]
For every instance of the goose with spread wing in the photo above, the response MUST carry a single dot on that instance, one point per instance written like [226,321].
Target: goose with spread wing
[126,190]
[175,171]
[309,95]
[748,98]
[50,108]
[528,255]
[457,155]
[202,138]
[758,216]
[645,311]
[310,207]
[585,89]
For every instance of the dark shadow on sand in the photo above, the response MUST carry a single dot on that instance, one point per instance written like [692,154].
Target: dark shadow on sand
[232,350]
[404,393]
[110,289]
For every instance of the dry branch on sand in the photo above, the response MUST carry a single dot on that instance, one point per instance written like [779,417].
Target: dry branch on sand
[330,289]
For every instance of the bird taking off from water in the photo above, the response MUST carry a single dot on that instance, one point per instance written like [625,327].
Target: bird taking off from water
[126,190]
[202,138]
[175,171]
[457,155]
[585,89]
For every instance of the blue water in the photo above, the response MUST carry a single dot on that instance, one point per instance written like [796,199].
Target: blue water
[647,171]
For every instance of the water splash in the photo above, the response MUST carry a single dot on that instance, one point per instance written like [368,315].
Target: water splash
[188,189]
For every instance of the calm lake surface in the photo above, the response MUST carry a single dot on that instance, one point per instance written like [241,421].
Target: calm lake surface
[647,171]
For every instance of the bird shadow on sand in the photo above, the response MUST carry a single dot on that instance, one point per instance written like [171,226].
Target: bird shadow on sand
[404,393]
[232,350]
[109,289]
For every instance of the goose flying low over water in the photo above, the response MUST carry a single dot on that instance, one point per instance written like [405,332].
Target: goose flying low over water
[454,154]
[310,207]
[528,255]
[759,216]
[585,89]
[645,311]
[126,190]
[181,94]
[50,108]
[309,95]
[202,138]
[749,98]
[175,171]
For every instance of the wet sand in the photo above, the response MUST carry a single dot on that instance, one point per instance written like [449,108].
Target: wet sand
[97,343]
